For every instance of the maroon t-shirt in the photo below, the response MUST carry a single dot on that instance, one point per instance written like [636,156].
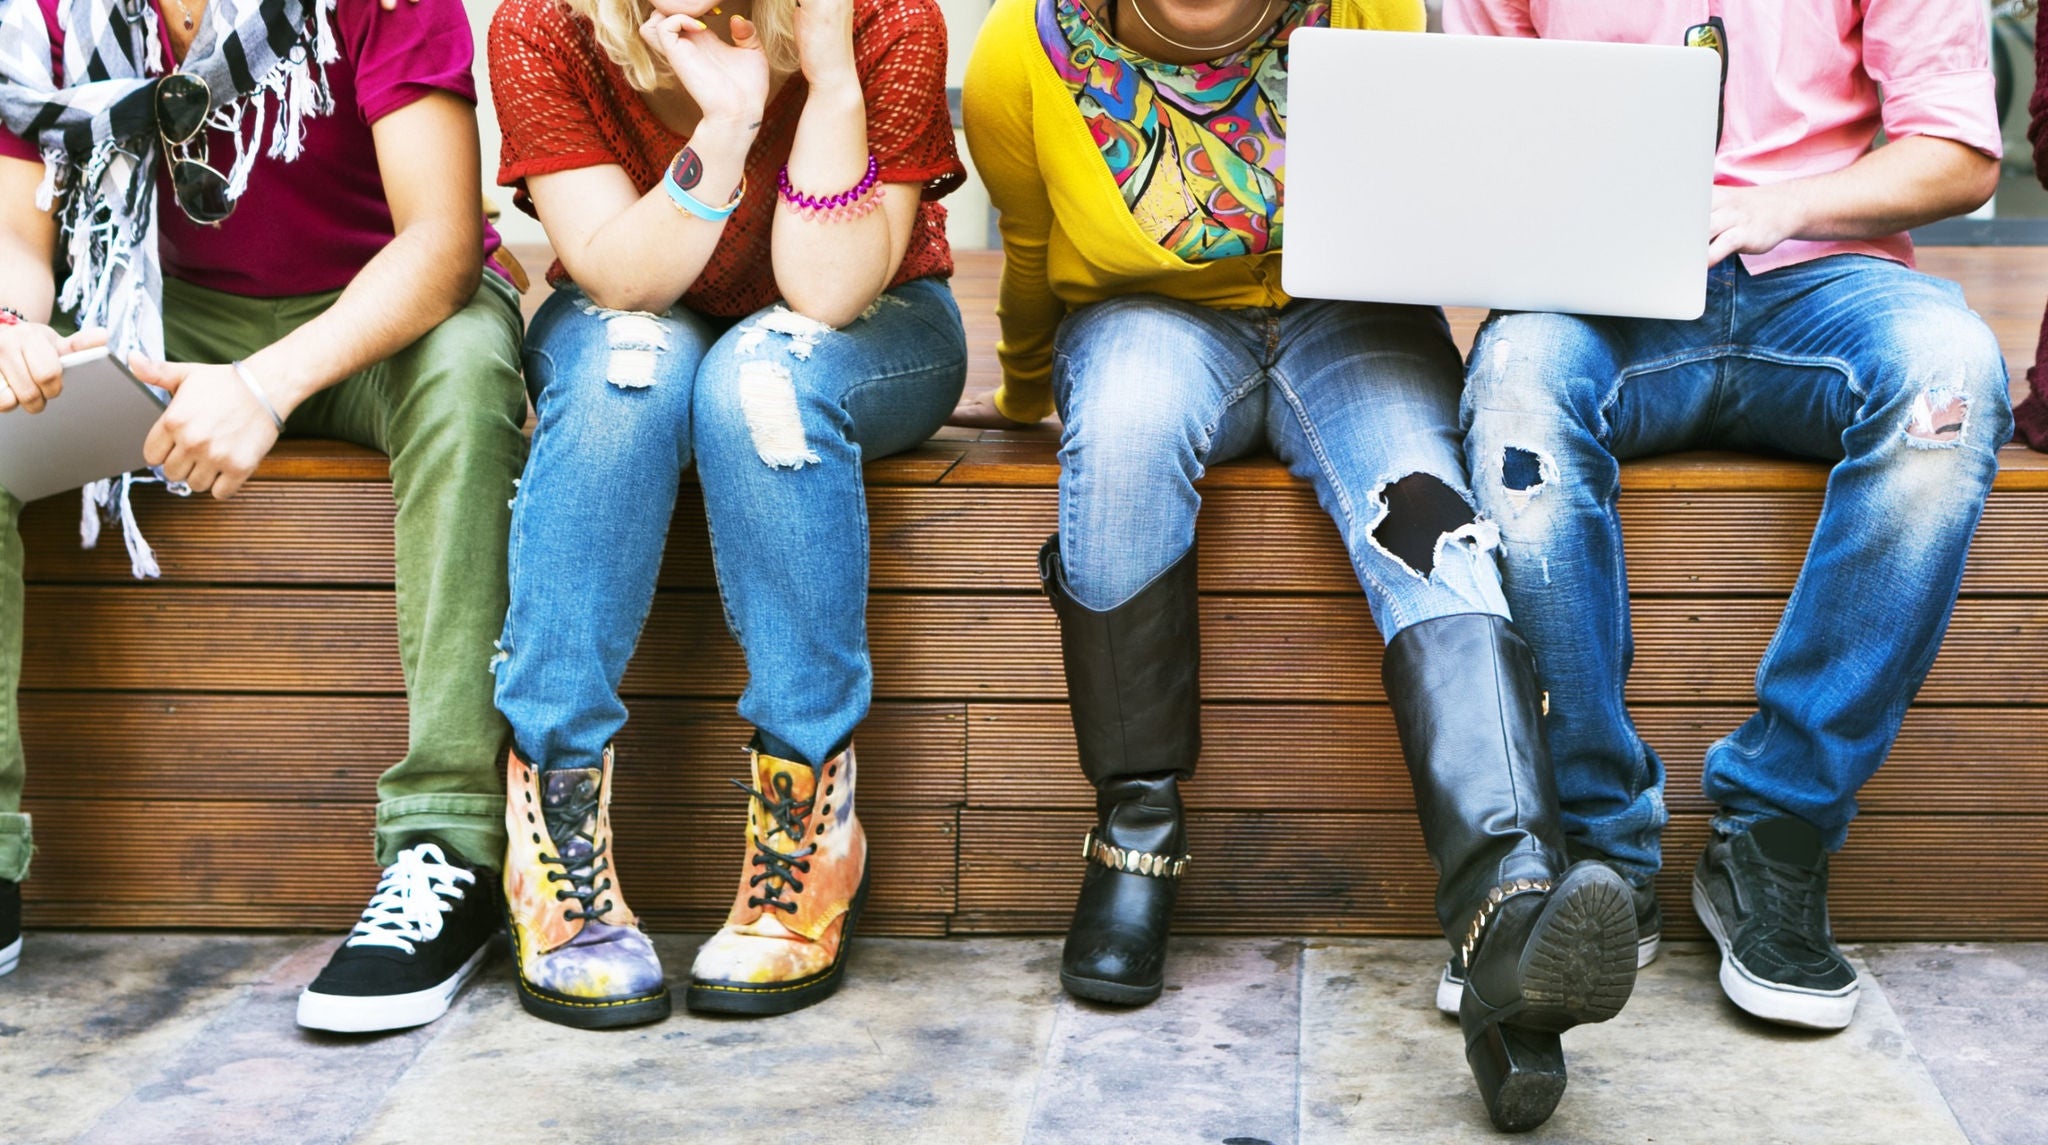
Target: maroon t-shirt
[310,225]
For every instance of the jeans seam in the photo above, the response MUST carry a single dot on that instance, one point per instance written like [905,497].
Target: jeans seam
[1277,377]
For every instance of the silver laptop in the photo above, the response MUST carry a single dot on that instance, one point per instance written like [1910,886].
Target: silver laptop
[94,429]
[1508,173]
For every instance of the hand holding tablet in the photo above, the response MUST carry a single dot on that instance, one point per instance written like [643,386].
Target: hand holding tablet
[91,417]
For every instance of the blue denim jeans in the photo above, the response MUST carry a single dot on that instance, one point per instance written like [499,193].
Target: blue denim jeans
[1850,359]
[1352,397]
[779,413]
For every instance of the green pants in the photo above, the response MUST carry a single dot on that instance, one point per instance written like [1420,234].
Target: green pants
[448,411]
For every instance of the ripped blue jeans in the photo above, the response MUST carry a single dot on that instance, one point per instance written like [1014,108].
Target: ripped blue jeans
[778,412]
[1857,361]
[1359,400]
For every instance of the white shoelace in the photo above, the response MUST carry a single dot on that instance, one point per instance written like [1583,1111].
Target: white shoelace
[414,893]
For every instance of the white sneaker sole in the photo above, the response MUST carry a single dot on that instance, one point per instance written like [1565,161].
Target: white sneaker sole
[349,1014]
[1449,990]
[1774,1001]
[10,956]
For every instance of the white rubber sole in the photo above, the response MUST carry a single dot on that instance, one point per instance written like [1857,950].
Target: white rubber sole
[348,1014]
[1449,989]
[10,956]
[1774,1001]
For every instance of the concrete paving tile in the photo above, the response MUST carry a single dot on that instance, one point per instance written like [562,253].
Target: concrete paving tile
[1978,1014]
[1680,1065]
[926,1042]
[252,1075]
[1213,1060]
[89,1017]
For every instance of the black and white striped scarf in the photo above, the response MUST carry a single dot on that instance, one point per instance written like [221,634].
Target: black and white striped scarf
[263,60]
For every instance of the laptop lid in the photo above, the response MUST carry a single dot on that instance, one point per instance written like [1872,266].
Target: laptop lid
[1508,173]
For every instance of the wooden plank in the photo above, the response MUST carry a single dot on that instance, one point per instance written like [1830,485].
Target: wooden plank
[244,866]
[987,539]
[680,753]
[1330,757]
[1956,878]
[926,647]
[168,747]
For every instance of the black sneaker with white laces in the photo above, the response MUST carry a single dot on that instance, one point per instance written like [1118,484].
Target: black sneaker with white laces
[1763,894]
[426,931]
[10,926]
[1450,985]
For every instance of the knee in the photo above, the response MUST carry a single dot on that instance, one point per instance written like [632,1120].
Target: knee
[1555,364]
[1941,380]
[771,390]
[1420,515]
[615,375]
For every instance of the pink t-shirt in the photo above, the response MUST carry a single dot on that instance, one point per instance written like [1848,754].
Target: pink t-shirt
[310,225]
[1804,80]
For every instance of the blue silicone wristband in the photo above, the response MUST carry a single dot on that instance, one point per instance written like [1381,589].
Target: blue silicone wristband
[685,201]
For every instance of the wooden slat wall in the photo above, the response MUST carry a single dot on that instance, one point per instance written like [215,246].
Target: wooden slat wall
[204,749]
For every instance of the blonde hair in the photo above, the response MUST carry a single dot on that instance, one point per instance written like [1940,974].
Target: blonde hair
[618,32]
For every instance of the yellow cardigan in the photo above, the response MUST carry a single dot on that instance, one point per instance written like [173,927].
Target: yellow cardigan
[1068,238]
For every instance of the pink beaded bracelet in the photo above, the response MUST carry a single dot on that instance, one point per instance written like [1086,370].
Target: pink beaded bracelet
[846,205]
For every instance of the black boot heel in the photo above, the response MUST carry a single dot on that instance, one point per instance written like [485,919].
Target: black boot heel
[1580,962]
[1520,1072]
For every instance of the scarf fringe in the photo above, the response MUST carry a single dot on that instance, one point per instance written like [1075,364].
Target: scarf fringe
[101,502]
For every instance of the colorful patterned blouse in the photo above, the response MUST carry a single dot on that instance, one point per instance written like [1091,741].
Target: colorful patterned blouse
[1200,150]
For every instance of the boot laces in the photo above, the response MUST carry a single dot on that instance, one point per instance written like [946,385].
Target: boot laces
[581,872]
[416,890]
[581,878]
[1791,906]
[791,817]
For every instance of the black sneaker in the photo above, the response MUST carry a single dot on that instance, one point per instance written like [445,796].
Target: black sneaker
[10,926]
[1450,985]
[425,932]
[1764,897]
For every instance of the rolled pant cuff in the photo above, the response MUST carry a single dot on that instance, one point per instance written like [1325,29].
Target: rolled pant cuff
[472,825]
[16,846]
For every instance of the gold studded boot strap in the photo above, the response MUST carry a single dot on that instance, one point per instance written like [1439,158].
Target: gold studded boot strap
[1132,862]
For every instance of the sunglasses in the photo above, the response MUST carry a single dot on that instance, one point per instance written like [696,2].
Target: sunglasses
[183,101]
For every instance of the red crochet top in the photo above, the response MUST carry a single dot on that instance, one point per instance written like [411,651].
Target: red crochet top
[563,104]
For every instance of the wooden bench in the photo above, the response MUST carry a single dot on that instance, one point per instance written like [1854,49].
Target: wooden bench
[203,749]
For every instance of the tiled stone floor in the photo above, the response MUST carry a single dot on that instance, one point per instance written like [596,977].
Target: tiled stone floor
[189,1038]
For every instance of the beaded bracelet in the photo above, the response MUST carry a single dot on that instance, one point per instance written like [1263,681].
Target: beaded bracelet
[847,205]
[9,316]
[691,204]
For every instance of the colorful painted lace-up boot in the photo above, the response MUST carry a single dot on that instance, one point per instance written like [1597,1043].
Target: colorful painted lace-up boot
[583,960]
[784,945]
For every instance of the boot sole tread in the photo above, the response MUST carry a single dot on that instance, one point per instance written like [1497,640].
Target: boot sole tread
[1580,965]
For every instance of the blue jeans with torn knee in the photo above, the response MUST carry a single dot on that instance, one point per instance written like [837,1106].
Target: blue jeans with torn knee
[778,413]
[1360,400]
[1853,360]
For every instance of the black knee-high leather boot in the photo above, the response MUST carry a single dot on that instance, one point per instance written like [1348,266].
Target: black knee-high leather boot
[1548,947]
[1132,685]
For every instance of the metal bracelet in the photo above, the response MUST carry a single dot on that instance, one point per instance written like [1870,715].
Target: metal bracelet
[249,380]
[1490,907]
[1133,862]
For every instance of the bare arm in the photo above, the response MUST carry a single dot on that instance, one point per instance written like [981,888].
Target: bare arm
[832,270]
[630,251]
[30,374]
[1906,183]
[215,433]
